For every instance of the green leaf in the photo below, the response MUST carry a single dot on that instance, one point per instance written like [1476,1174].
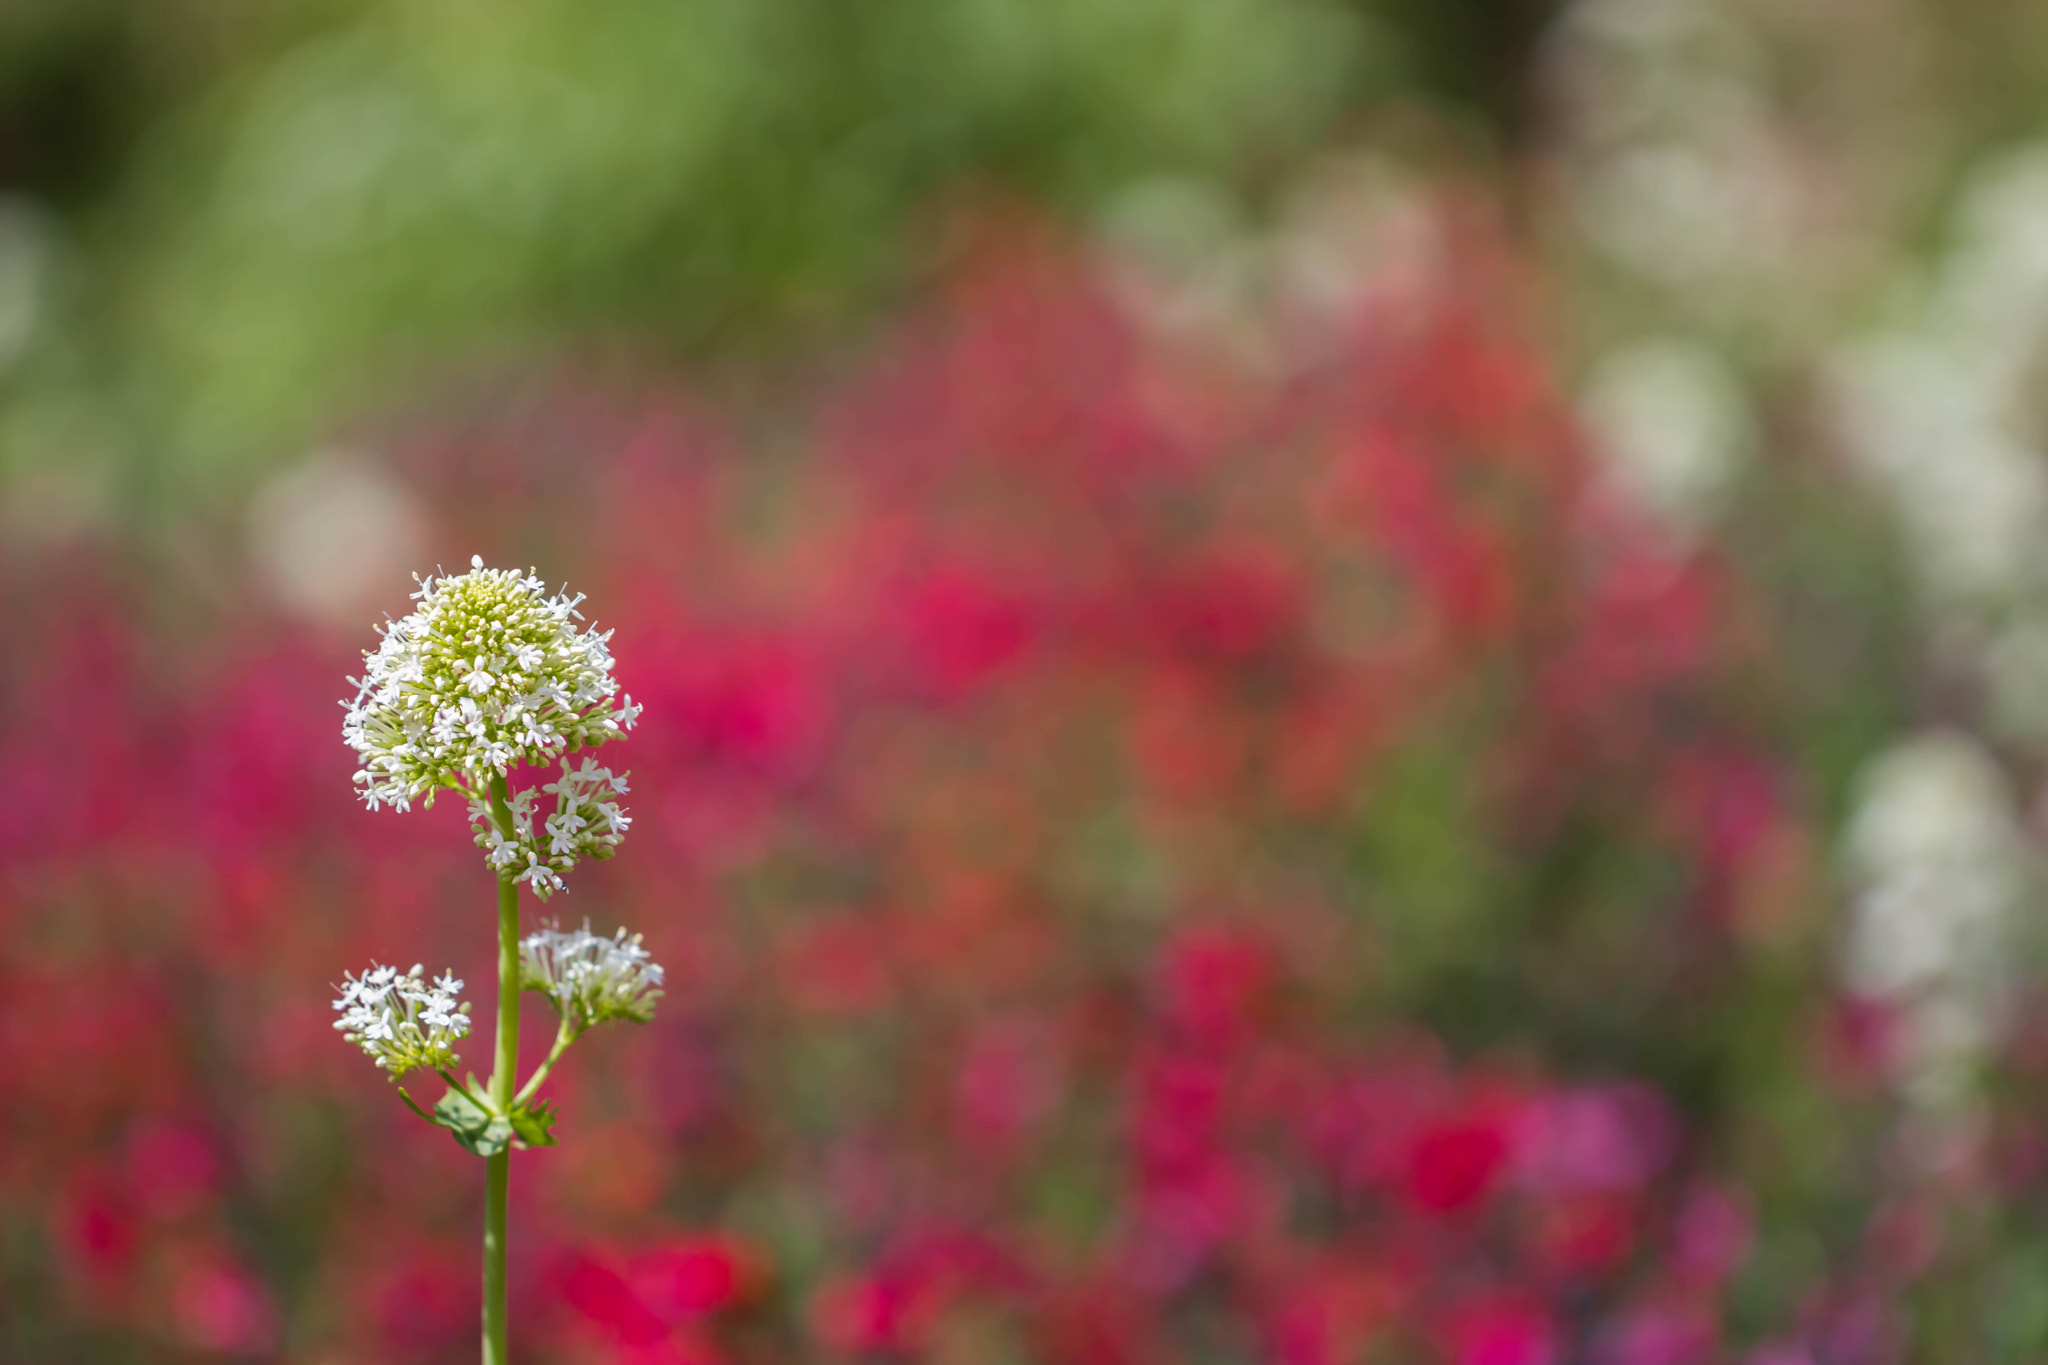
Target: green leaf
[475,1128]
[479,1130]
[535,1126]
[458,1113]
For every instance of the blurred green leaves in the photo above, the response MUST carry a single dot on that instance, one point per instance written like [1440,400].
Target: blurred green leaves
[414,188]
[479,1131]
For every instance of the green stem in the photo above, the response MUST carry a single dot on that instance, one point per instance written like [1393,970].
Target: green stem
[498,1167]
[413,1105]
[497,1179]
[563,1037]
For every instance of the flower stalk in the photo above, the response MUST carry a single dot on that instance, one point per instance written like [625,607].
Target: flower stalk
[498,1165]
[563,1037]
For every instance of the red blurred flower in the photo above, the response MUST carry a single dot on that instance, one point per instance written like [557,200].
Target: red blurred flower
[693,1277]
[1211,980]
[1586,1235]
[601,1294]
[1456,1164]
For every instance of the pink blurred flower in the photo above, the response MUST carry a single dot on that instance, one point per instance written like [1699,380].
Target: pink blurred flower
[1778,1354]
[1659,1334]
[171,1168]
[425,1301]
[878,1313]
[958,630]
[595,1289]
[218,1308]
[1009,1078]
[1711,1234]
[1614,1137]
[1501,1331]
[837,965]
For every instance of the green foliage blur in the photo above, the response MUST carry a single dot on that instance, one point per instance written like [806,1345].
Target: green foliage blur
[252,222]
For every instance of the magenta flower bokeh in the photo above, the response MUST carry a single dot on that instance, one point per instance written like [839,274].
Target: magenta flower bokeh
[1159,858]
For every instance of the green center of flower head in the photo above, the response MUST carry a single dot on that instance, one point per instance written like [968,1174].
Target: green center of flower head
[487,673]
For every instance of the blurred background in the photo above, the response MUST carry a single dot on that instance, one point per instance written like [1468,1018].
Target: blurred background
[1335,682]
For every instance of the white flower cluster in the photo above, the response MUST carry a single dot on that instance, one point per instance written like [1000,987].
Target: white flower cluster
[585,824]
[1940,410]
[488,672]
[1941,869]
[589,978]
[400,1021]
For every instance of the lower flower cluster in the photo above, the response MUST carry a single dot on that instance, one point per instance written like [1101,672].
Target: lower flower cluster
[405,1024]
[402,1022]
[588,977]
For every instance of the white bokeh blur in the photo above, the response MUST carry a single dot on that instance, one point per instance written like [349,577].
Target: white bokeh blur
[334,535]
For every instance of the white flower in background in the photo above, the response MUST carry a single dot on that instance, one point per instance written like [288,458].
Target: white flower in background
[2016,677]
[28,252]
[589,978]
[402,1022]
[1357,232]
[333,533]
[490,672]
[1993,284]
[1671,425]
[1674,163]
[1938,409]
[1941,412]
[1180,258]
[1939,864]
[1691,215]
[1929,425]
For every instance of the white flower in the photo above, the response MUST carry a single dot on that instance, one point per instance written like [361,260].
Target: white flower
[488,673]
[1940,867]
[1672,427]
[589,978]
[400,1022]
[585,823]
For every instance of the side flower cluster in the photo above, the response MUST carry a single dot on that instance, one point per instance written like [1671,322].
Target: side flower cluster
[586,823]
[401,1022]
[589,978]
[487,672]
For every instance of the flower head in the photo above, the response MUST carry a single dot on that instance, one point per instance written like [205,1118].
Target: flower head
[589,978]
[490,672]
[400,1021]
[487,672]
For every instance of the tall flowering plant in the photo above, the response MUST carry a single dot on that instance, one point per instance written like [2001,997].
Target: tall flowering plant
[487,675]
